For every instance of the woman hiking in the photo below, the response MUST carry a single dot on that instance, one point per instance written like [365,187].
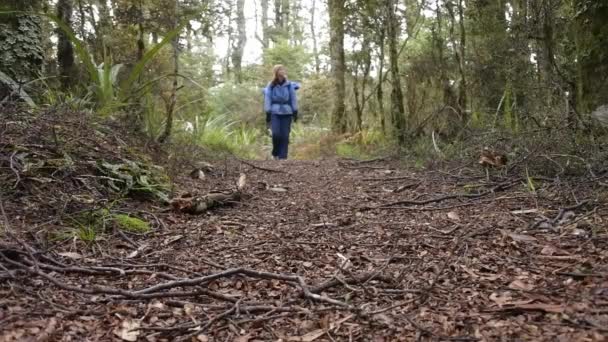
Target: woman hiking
[281,107]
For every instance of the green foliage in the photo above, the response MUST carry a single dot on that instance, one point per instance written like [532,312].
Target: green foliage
[89,225]
[21,53]
[530,182]
[294,58]
[241,103]
[86,234]
[131,224]
[221,135]
[136,179]
[103,77]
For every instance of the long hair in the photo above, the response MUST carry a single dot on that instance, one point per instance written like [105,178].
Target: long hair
[275,74]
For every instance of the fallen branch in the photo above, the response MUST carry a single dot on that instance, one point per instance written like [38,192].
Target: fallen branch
[199,205]
[261,168]
[499,187]
[234,308]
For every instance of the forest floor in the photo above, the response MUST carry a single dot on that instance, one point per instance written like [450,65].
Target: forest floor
[326,250]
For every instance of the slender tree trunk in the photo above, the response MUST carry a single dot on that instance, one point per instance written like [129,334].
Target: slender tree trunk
[227,68]
[141,46]
[278,18]
[173,99]
[105,27]
[83,19]
[462,89]
[265,36]
[336,27]
[65,50]
[397,108]
[241,40]
[379,89]
[363,64]
[315,49]
[285,14]
[459,50]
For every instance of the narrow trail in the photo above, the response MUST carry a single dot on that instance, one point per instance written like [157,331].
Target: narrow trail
[336,250]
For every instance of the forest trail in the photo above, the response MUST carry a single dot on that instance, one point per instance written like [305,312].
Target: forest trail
[382,254]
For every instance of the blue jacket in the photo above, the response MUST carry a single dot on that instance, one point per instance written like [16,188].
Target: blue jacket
[281,99]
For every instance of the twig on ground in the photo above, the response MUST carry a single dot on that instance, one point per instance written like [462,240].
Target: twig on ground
[260,167]
[226,313]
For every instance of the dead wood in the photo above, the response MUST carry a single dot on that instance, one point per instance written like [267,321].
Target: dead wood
[199,205]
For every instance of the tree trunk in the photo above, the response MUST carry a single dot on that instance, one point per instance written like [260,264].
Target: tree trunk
[265,35]
[21,58]
[315,49]
[141,46]
[170,105]
[227,68]
[397,108]
[459,50]
[239,46]
[548,51]
[336,43]
[379,89]
[83,31]
[462,88]
[105,27]
[65,50]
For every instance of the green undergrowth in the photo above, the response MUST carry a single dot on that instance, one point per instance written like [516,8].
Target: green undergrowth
[92,225]
[137,179]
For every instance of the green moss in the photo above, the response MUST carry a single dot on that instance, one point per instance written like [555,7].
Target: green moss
[131,224]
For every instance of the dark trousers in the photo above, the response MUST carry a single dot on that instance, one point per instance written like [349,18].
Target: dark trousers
[281,127]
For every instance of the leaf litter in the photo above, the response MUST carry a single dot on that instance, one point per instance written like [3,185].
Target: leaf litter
[334,258]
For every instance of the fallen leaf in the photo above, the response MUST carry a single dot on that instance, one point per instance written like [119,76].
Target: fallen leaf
[128,330]
[524,211]
[484,276]
[518,237]
[552,308]
[452,215]
[501,299]
[244,338]
[172,239]
[70,255]
[384,319]
[548,250]
[311,336]
[202,338]
[520,285]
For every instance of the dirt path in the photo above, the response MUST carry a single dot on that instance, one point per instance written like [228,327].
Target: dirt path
[456,259]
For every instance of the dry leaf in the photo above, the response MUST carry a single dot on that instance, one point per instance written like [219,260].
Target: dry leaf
[242,182]
[552,308]
[311,336]
[548,250]
[501,299]
[483,276]
[384,319]
[452,215]
[518,237]
[172,239]
[520,285]
[70,255]
[202,338]
[128,330]
[244,338]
